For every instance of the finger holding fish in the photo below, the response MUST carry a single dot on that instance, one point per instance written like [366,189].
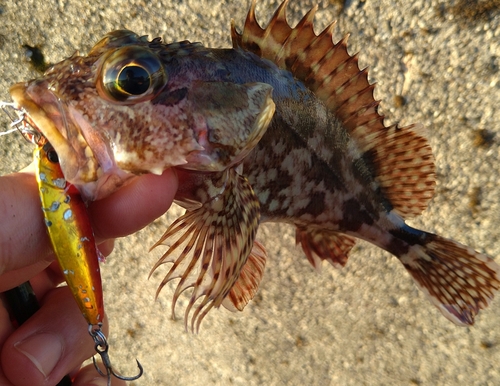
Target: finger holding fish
[53,309]
[25,246]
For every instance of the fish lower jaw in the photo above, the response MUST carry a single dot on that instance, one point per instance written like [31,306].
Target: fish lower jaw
[104,186]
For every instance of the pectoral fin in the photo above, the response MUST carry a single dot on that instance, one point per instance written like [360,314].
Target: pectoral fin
[247,284]
[214,240]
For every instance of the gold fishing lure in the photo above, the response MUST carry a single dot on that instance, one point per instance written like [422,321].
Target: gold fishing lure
[74,245]
[70,234]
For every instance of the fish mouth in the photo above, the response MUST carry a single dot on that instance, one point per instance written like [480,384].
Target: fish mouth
[85,159]
[43,114]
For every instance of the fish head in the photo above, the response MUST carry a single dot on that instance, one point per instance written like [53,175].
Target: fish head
[76,107]
[113,114]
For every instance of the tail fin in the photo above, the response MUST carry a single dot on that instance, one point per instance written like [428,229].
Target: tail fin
[456,279]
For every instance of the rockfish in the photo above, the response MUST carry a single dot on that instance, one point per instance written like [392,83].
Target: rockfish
[283,127]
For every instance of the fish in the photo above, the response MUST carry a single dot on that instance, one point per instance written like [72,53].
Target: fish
[282,127]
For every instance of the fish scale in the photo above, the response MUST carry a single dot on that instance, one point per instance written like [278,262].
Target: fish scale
[283,127]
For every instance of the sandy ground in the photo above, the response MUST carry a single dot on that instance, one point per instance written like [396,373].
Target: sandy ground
[367,323]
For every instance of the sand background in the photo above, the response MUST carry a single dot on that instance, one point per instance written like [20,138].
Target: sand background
[365,324]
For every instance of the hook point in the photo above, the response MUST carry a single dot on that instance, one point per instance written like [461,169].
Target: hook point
[101,347]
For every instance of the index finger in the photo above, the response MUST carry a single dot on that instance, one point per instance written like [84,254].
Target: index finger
[24,244]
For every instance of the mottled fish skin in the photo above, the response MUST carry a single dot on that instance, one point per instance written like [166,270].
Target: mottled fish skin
[103,134]
[283,127]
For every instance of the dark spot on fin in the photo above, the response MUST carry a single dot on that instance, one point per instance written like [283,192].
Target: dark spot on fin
[319,245]
[401,159]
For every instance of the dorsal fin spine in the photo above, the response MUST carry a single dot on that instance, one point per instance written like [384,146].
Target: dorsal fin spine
[328,70]
[349,107]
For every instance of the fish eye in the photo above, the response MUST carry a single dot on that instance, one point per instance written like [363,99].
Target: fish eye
[131,75]
[133,80]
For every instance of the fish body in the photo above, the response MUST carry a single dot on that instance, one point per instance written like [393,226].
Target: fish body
[283,127]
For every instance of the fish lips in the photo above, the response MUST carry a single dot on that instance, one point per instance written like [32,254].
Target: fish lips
[92,172]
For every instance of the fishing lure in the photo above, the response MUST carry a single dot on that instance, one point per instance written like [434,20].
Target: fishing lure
[74,245]
[70,234]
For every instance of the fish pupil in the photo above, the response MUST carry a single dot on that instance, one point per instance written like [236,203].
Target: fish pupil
[130,75]
[133,80]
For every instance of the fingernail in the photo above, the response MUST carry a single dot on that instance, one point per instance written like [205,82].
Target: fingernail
[43,350]
[104,249]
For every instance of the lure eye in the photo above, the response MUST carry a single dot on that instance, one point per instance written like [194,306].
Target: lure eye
[52,157]
[130,75]
[51,153]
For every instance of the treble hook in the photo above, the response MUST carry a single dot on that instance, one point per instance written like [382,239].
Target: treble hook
[102,347]
[20,123]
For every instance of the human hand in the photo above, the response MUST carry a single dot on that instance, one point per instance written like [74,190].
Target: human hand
[54,342]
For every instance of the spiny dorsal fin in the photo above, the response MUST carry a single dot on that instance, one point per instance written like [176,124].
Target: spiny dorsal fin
[334,76]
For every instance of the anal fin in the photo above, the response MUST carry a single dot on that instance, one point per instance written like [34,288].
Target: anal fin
[319,245]
[247,284]
[214,240]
